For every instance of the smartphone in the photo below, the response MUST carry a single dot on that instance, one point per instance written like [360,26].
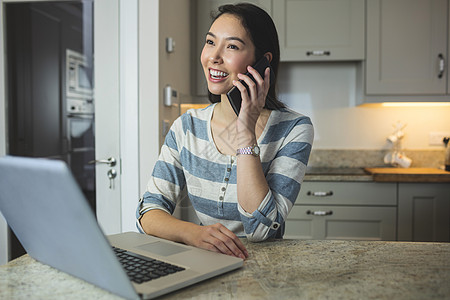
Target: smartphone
[234,95]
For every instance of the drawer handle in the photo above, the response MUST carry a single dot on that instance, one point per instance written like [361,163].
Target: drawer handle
[441,65]
[318,53]
[320,194]
[319,213]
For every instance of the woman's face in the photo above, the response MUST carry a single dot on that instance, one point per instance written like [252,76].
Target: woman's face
[228,51]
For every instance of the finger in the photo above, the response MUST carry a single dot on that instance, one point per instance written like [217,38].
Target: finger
[252,85]
[231,235]
[209,246]
[267,77]
[221,241]
[213,239]
[258,78]
[217,243]
[234,243]
[242,89]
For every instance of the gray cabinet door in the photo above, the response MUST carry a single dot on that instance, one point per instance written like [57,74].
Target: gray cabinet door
[424,212]
[344,210]
[406,43]
[320,30]
[342,222]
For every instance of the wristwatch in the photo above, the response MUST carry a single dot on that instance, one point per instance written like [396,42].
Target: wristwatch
[251,150]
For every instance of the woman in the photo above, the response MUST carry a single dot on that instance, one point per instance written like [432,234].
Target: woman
[242,173]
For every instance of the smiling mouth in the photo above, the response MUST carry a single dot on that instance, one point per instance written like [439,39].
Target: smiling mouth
[217,75]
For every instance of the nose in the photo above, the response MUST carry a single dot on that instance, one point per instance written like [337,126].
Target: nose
[215,56]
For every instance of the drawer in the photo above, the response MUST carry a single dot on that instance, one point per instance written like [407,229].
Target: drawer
[347,193]
[342,223]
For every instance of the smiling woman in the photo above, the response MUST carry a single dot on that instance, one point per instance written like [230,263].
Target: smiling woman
[241,173]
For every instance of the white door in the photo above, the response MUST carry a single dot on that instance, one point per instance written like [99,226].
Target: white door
[117,113]
[107,116]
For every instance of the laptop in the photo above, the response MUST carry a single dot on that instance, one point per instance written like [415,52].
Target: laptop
[47,211]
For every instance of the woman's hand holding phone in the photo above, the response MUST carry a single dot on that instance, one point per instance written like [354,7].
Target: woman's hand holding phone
[235,94]
[253,100]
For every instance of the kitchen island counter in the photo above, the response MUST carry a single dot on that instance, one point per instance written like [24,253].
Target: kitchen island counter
[279,269]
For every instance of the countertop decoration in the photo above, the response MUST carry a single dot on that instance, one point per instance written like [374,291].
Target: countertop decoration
[396,157]
[278,269]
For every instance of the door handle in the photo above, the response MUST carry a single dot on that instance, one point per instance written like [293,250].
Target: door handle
[110,161]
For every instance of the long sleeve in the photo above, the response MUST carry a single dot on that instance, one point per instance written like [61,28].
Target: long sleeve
[166,186]
[285,153]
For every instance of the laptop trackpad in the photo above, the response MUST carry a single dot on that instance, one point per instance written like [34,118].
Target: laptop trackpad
[161,248]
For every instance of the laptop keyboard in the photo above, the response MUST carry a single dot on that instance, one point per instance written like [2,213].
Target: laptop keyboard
[142,269]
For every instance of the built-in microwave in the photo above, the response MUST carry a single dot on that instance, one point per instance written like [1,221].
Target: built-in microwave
[78,76]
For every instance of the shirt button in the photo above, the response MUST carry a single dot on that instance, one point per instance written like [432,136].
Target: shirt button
[226,179]
[228,169]
[223,189]
[220,198]
[275,225]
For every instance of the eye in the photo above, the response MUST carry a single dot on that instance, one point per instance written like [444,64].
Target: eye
[234,47]
[209,42]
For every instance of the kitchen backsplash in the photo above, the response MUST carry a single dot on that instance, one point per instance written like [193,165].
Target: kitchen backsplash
[372,158]
[338,158]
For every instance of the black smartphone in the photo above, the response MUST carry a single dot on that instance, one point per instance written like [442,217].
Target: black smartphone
[234,95]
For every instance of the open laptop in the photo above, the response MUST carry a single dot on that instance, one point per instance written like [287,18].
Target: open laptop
[48,213]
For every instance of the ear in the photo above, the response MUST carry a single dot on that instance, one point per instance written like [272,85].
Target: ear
[269,56]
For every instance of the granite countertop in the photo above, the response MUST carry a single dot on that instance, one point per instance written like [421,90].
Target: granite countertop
[409,174]
[381,174]
[336,174]
[279,269]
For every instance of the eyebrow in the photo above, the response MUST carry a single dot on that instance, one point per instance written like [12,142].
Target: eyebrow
[231,38]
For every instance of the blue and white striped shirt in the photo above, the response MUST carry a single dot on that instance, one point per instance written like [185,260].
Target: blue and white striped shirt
[190,165]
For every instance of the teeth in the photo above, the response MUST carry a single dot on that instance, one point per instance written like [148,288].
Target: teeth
[217,74]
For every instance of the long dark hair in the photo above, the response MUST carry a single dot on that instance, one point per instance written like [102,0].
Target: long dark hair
[264,36]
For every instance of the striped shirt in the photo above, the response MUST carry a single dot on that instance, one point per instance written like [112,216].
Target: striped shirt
[190,165]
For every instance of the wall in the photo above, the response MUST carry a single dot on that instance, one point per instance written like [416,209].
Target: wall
[326,92]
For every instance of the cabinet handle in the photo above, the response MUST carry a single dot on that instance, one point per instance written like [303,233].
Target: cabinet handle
[319,213]
[318,53]
[320,194]
[441,65]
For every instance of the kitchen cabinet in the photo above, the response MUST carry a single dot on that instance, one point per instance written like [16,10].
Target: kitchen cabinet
[324,30]
[344,210]
[406,50]
[203,23]
[424,212]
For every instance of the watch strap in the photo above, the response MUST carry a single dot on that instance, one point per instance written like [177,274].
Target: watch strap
[250,150]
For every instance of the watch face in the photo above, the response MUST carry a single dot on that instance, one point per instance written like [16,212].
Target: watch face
[256,150]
